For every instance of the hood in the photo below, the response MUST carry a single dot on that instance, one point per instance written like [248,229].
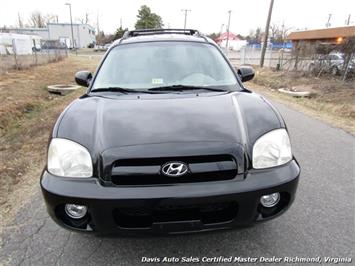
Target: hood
[210,120]
[117,122]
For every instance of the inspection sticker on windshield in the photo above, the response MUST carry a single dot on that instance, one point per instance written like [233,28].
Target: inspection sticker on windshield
[157,81]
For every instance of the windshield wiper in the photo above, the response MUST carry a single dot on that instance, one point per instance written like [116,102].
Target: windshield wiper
[183,88]
[115,89]
[120,89]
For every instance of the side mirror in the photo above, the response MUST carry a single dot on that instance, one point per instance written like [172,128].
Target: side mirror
[83,78]
[246,73]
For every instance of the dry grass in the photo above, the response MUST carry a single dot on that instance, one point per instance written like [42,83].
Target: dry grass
[22,91]
[27,114]
[333,101]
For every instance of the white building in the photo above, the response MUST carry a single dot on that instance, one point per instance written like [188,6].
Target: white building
[84,34]
[20,44]
[235,45]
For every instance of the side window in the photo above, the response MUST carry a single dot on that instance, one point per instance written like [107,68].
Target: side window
[335,57]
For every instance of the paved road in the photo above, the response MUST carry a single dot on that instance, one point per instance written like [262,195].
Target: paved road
[320,223]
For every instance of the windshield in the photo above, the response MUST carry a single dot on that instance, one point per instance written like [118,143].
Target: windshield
[160,64]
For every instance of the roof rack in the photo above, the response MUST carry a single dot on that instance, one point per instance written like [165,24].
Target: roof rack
[145,32]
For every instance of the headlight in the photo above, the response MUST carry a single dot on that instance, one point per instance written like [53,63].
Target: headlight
[272,149]
[68,158]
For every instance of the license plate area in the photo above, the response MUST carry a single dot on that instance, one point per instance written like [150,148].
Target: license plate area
[175,216]
[180,226]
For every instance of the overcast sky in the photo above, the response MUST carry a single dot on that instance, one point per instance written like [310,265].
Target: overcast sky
[206,16]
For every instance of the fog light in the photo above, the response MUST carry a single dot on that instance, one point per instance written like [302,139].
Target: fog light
[75,211]
[270,200]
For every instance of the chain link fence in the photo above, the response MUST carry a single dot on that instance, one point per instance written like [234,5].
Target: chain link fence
[274,58]
[332,62]
[250,55]
[45,52]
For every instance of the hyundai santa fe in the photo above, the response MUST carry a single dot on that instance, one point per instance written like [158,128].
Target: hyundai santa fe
[167,140]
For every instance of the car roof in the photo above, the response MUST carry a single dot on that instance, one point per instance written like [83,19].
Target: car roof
[162,35]
[336,53]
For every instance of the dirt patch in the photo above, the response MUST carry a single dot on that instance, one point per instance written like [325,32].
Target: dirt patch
[332,100]
[27,116]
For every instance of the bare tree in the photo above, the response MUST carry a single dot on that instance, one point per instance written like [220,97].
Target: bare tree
[50,18]
[254,35]
[38,20]
[347,48]
[20,20]
[85,20]
[279,33]
[274,31]
[285,31]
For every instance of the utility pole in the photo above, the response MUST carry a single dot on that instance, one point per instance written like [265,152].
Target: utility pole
[97,23]
[221,31]
[228,25]
[185,10]
[71,26]
[348,20]
[328,23]
[266,34]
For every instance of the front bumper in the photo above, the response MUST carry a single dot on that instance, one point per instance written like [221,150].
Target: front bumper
[178,208]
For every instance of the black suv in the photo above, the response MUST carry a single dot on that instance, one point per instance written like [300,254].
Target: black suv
[167,140]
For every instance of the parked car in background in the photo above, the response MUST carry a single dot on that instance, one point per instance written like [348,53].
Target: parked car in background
[53,44]
[91,45]
[103,48]
[99,48]
[332,63]
[107,46]
[336,63]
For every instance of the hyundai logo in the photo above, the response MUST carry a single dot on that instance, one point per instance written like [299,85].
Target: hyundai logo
[174,169]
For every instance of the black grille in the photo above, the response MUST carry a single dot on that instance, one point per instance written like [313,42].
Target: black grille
[147,171]
[206,213]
